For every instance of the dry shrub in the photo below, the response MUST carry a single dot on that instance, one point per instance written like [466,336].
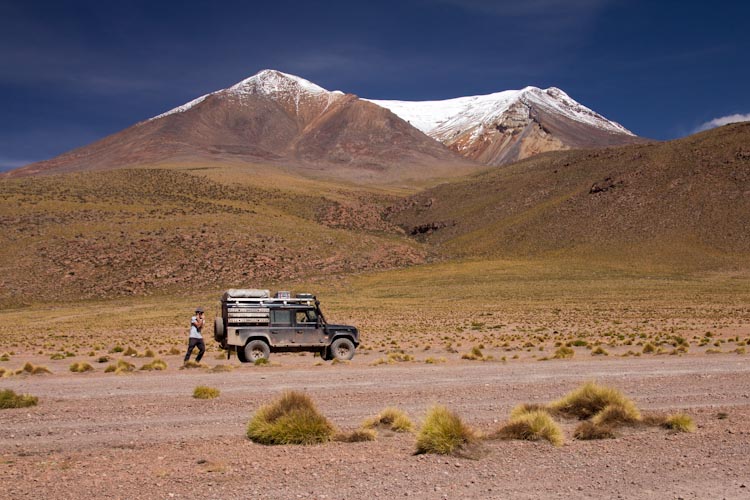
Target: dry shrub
[156,364]
[535,425]
[222,368]
[444,433]
[9,399]
[392,419]
[679,422]
[649,348]
[81,367]
[588,430]
[204,392]
[356,436]
[130,352]
[291,419]
[174,351]
[599,351]
[476,354]
[590,399]
[149,354]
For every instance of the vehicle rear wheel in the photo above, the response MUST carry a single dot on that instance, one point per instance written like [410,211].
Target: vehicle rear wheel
[255,350]
[342,349]
[219,331]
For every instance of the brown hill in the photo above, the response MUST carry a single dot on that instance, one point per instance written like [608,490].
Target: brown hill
[685,202]
[278,119]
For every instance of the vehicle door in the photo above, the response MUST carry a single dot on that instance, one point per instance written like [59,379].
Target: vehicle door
[307,327]
[281,327]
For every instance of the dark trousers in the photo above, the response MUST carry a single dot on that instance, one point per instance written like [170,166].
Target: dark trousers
[192,345]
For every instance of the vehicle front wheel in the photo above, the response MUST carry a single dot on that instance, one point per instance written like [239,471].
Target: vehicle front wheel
[255,350]
[342,349]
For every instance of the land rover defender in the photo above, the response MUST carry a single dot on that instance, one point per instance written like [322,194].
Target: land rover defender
[253,324]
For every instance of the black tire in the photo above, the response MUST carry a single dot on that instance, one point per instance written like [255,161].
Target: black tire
[255,350]
[240,355]
[342,349]
[219,331]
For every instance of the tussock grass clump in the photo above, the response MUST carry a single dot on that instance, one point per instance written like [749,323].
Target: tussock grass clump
[149,354]
[5,357]
[444,433]
[205,392]
[617,414]
[392,419]
[291,419]
[649,348]
[524,408]
[120,367]
[9,399]
[534,425]
[130,352]
[32,369]
[157,364]
[222,368]
[590,399]
[190,364]
[475,354]
[356,436]
[564,352]
[679,422]
[261,362]
[81,367]
[588,430]
[174,351]
[599,351]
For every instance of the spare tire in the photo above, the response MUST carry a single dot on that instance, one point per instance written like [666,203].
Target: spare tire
[219,331]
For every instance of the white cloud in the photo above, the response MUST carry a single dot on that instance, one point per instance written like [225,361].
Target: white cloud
[724,120]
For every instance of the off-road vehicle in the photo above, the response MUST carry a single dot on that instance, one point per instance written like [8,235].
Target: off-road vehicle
[253,324]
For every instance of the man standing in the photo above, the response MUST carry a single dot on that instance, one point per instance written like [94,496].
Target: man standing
[196,339]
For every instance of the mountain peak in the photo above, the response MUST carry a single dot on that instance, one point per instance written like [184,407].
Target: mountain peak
[271,81]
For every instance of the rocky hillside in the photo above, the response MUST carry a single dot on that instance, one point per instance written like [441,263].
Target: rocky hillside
[686,202]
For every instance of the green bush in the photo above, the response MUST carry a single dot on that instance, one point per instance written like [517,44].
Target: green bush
[291,419]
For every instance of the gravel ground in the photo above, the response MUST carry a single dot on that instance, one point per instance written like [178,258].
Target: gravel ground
[142,435]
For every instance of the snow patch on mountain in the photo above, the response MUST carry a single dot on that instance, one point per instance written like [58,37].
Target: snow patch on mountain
[441,119]
[269,83]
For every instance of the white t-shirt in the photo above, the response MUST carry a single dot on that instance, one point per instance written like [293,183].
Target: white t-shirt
[195,333]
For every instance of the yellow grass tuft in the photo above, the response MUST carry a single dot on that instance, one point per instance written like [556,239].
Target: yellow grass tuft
[204,392]
[291,419]
[679,422]
[590,399]
[617,414]
[444,433]
[588,430]
[9,399]
[356,436]
[532,425]
[120,367]
[392,419]
[564,352]
[81,367]
[157,364]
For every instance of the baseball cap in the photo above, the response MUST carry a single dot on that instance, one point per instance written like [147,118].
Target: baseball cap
[199,309]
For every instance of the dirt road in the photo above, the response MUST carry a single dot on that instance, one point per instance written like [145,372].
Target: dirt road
[144,436]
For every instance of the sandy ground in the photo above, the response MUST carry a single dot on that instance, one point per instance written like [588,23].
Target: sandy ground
[142,435]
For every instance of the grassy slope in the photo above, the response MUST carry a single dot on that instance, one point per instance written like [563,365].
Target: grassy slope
[136,231]
[678,205]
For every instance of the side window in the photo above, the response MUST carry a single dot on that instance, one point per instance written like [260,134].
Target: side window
[281,317]
[306,318]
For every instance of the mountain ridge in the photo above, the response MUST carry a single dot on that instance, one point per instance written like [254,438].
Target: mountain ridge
[277,118]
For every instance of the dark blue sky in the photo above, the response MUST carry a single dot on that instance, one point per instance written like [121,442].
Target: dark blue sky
[74,71]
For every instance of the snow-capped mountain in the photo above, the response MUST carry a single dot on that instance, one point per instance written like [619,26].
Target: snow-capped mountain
[274,117]
[510,125]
